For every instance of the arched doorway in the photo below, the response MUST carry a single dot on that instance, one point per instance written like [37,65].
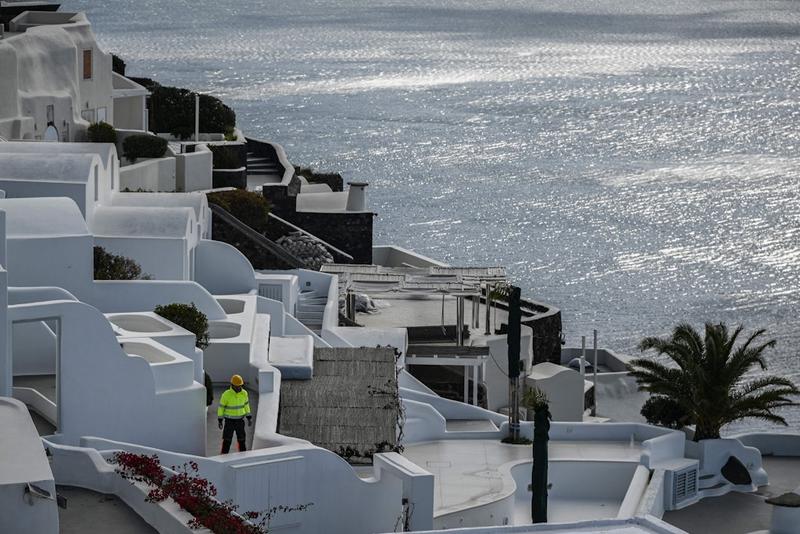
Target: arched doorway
[51,134]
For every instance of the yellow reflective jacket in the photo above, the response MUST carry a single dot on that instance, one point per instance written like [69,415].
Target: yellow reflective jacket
[233,405]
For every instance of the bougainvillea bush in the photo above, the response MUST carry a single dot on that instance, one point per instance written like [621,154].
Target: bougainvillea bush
[194,494]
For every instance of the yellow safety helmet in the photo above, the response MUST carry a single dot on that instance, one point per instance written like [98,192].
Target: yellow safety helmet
[236,380]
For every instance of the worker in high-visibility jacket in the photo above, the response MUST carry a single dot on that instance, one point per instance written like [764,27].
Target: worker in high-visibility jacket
[234,406]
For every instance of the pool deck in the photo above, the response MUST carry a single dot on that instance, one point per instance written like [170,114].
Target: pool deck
[740,512]
[470,473]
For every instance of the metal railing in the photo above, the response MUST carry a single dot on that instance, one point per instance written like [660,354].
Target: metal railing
[260,240]
[325,244]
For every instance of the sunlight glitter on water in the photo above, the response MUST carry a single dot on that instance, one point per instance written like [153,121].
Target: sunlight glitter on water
[633,163]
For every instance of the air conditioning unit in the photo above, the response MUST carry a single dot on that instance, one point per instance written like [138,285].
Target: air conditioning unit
[680,484]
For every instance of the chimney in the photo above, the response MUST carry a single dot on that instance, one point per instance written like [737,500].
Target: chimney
[357,196]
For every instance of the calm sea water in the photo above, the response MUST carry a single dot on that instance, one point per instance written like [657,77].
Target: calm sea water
[636,164]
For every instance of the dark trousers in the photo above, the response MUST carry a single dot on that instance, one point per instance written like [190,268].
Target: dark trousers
[231,426]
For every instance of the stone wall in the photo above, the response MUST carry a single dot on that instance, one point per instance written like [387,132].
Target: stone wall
[350,232]
[545,321]
[546,334]
[229,178]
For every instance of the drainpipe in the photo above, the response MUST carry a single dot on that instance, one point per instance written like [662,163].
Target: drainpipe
[357,196]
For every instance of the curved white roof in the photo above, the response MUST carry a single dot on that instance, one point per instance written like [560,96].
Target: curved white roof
[106,151]
[544,370]
[196,201]
[43,217]
[74,168]
[120,221]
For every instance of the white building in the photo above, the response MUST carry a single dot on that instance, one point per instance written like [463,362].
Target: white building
[119,377]
[56,80]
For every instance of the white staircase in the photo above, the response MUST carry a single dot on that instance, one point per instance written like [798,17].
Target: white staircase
[310,309]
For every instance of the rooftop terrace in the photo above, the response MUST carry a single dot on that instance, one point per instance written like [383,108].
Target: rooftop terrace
[740,512]
[469,473]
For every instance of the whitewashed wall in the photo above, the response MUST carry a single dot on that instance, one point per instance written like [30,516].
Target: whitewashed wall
[222,269]
[158,174]
[97,381]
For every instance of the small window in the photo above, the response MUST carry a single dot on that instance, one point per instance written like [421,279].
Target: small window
[87,64]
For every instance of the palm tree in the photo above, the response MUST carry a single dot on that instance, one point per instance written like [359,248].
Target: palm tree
[707,381]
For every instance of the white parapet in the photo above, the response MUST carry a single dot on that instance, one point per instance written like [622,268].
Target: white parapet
[27,487]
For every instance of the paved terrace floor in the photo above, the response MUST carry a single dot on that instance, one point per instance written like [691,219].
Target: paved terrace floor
[468,473]
[214,434]
[88,511]
[46,385]
[736,513]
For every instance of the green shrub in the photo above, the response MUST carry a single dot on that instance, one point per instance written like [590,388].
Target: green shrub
[249,207]
[109,266]
[189,317]
[117,64]
[224,157]
[172,110]
[230,134]
[102,132]
[143,146]
[663,411]
[147,83]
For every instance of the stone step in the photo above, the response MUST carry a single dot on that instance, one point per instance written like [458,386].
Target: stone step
[309,318]
[263,169]
[313,303]
[264,173]
[310,308]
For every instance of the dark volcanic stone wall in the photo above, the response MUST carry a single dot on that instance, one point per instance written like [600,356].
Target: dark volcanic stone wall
[350,232]
[546,335]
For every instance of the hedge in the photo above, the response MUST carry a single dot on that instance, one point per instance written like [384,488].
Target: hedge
[249,207]
[663,411]
[143,146]
[109,266]
[102,132]
[189,317]
[172,111]
[117,64]
[224,158]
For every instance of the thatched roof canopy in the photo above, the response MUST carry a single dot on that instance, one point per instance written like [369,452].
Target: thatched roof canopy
[350,405]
